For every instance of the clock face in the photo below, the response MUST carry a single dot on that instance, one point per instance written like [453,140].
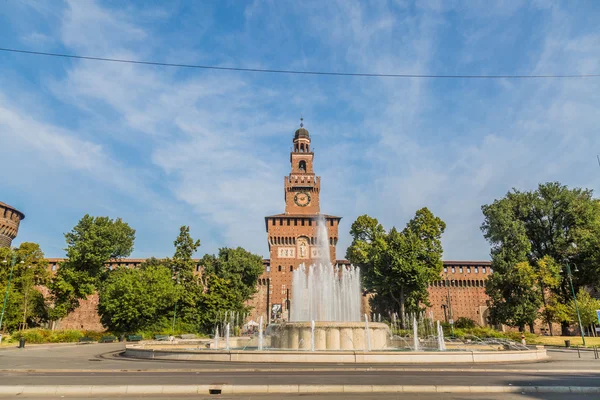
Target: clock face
[302,199]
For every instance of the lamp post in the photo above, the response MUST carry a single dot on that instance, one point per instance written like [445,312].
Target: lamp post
[449,305]
[575,300]
[24,326]
[12,267]
[176,278]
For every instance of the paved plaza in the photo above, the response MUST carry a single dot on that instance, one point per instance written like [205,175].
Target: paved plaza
[100,365]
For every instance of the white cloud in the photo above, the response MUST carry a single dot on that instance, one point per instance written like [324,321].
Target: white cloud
[213,146]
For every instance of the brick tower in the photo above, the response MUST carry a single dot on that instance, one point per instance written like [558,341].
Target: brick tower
[292,235]
[10,218]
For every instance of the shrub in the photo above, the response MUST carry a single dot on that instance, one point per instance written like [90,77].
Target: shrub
[39,335]
[464,322]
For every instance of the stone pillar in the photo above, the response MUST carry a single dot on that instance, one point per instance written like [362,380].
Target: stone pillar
[320,338]
[304,338]
[346,339]
[359,340]
[333,338]
[293,337]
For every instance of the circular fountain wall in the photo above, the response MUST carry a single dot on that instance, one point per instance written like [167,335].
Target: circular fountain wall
[329,336]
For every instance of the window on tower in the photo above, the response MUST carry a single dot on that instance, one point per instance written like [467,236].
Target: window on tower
[302,165]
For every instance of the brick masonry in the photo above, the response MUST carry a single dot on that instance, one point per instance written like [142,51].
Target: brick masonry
[10,219]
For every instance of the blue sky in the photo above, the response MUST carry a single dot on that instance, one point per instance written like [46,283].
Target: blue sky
[163,147]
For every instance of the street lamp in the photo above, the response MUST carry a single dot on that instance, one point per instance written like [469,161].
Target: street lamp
[25,300]
[449,305]
[176,279]
[575,298]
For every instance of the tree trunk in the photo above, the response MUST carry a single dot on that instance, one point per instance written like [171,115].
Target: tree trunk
[531,330]
[402,308]
[546,310]
[564,329]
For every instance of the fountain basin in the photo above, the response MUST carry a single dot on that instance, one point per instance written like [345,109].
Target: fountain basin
[178,353]
[329,336]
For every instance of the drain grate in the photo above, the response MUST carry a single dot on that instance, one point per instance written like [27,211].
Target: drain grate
[214,391]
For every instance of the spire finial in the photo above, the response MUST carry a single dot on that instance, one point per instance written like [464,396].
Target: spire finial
[301,122]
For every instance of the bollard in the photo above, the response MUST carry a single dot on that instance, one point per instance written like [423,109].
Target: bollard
[578,353]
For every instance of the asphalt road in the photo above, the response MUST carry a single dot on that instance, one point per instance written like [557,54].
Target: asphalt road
[342,396]
[100,364]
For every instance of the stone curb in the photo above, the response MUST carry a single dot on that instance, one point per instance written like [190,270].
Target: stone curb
[323,369]
[59,390]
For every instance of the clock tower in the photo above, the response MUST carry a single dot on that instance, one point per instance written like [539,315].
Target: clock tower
[301,186]
[292,235]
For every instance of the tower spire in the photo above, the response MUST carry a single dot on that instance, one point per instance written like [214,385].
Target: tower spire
[301,121]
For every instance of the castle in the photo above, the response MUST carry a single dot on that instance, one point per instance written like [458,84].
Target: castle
[292,239]
[10,219]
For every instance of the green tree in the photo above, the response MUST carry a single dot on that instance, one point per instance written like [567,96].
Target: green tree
[218,298]
[398,265]
[91,243]
[514,294]
[587,309]
[131,300]
[182,262]
[237,266]
[25,304]
[183,267]
[540,227]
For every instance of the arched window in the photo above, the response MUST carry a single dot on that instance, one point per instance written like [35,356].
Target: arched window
[302,165]
[279,268]
[291,268]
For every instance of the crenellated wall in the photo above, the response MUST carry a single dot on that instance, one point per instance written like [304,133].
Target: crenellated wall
[10,218]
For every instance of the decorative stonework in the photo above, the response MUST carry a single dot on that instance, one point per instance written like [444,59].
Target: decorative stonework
[10,218]
[286,252]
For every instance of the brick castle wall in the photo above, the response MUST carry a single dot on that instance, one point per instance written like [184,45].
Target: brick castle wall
[10,218]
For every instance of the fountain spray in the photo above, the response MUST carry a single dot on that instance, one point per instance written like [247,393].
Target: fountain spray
[415,334]
[227,337]
[217,338]
[260,334]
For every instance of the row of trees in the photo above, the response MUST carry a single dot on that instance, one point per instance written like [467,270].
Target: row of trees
[541,241]
[152,297]
[398,266]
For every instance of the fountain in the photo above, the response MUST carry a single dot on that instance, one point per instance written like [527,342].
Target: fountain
[415,334]
[325,308]
[326,323]
[260,334]
[216,345]
[440,337]
[227,337]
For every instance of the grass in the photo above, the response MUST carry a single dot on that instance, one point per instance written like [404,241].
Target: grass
[560,340]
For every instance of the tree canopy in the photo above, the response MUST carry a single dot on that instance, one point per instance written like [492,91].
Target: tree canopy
[398,265]
[544,229]
[133,299]
[237,266]
[25,305]
[91,243]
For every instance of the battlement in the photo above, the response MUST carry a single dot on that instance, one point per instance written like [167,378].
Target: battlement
[10,218]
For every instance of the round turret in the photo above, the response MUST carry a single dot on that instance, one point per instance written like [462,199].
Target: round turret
[10,218]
